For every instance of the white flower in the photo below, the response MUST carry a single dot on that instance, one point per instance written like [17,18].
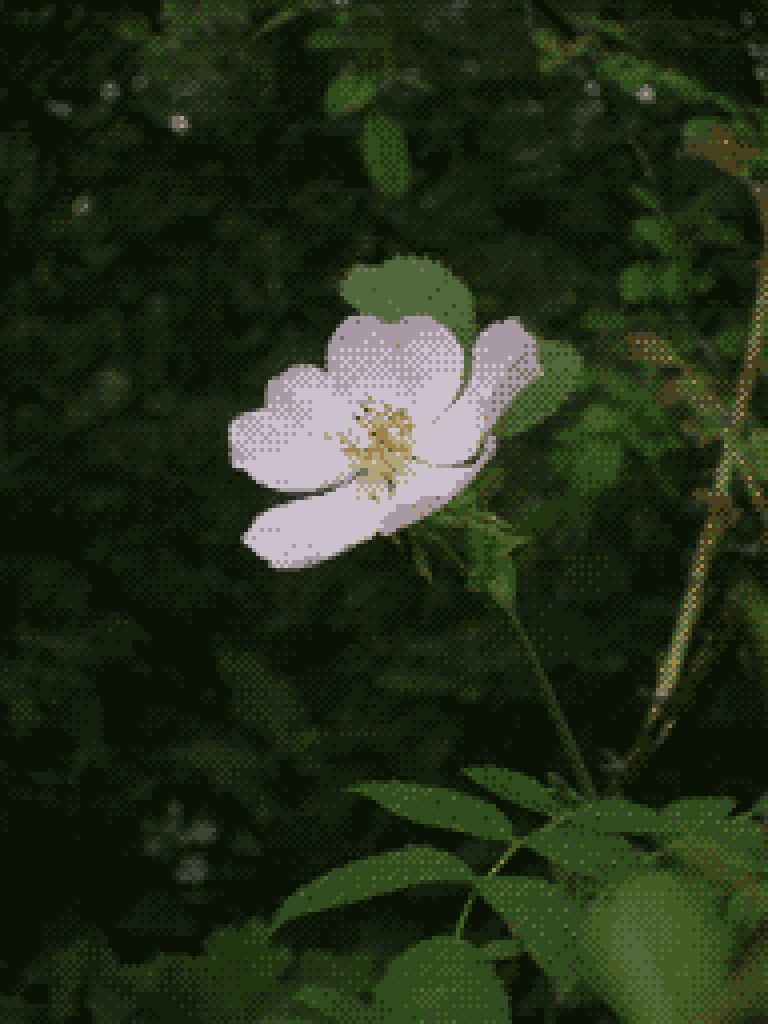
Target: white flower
[382,424]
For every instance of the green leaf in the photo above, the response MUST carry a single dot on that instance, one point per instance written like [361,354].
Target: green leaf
[655,230]
[591,465]
[349,93]
[503,587]
[564,374]
[503,949]
[639,282]
[642,195]
[239,970]
[441,979]
[435,805]
[348,975]
[711,229]
[333,1004]
[744,912]
[576,846]
[544,919]
[698,129]
[553,56]
[629,72]
[600,419]
[383,873]
[489,568]
[69,973]
[513,786]
[536,520]
[236,979]
[413,287]
[385,154]
[672,280]
[707,856]
[740,844]
[633,941]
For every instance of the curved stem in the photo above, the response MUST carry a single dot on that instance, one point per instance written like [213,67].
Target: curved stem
[720,505]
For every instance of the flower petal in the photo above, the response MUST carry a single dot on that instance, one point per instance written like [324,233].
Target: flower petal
[292,443]
[504,361]
[415,363]
[300,533]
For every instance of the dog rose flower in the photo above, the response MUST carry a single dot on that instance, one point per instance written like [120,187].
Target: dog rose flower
[381,426]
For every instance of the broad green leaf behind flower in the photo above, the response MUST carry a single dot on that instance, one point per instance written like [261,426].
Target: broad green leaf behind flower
[414,287]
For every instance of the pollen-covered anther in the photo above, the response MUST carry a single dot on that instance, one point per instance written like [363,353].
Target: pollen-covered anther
[389,450]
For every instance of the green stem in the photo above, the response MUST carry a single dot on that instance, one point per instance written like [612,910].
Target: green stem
[556,714]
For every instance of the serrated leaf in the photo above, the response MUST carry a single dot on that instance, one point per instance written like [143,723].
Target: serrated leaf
[385,154]
[544,919]
[348,93]
[513,786]
[441,979]
[577,846]
[383,873]
[443,808]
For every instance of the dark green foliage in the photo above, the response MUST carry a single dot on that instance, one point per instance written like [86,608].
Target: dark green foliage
[157,274]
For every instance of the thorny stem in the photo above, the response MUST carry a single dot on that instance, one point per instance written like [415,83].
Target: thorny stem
[719,498]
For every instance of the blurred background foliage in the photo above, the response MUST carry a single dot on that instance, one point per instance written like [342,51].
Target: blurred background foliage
[178,719]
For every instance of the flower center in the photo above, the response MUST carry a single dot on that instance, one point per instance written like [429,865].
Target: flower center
[389,450]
